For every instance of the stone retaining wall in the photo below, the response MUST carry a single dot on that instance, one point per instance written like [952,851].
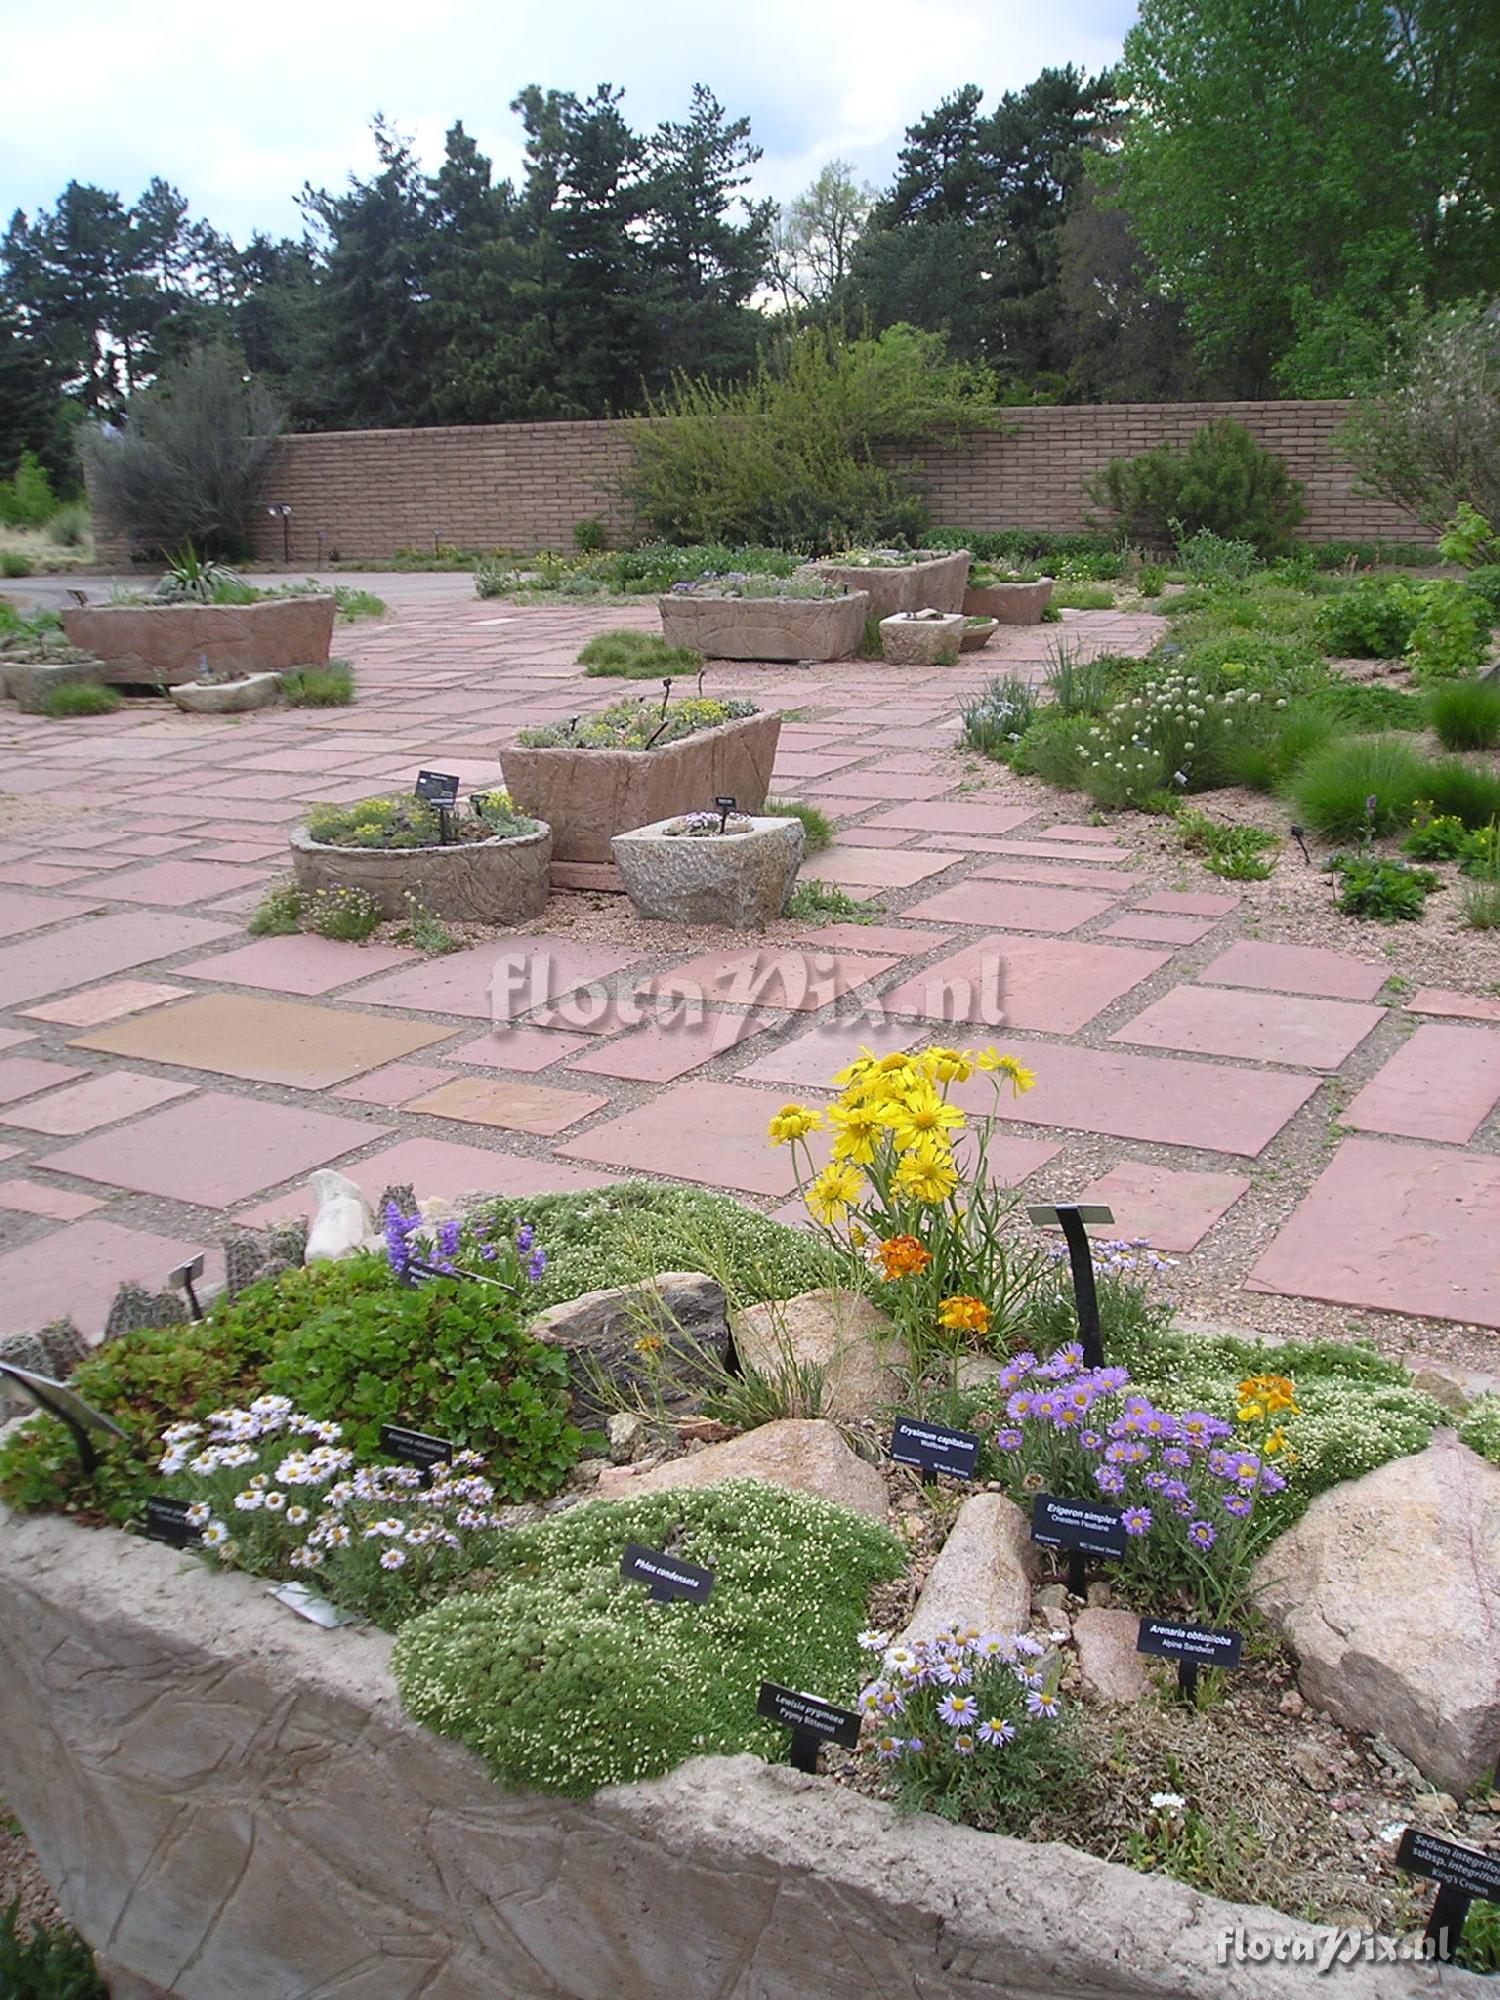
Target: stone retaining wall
[365,494]
[232,1806]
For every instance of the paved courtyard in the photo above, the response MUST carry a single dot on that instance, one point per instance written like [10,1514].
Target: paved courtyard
[1321,1154]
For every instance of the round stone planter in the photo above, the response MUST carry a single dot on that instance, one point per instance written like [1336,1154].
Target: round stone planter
[496,881]
[227,697]
[766,628]
[1009,603]
[232,1802]
[910,640]
[168,643]
[978,634]
[933,580]
[741,880]
[588,796]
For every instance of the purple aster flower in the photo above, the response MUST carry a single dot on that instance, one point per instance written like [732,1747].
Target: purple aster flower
[1110,1380]
[915,1746]
[524,1236]
[1174,1489]
[1109,1479]
[1008,1440]
[1044,1706]
[1156,1480]
[1044,1405]
[1238,1504]
[536,1264]
[1174,1455]
[1137,1520]
[995,1729]
[958,1710]
[1019,1405]
[1091,1440]
[1185,1509]
[489,1253]
[963,1744]
[1271,1480]
[888,1748]
[1202,1535]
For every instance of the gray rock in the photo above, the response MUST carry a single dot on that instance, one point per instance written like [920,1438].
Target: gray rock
[922,638]
[740,880]
[844,1334]
[1453,1385]
[981,1575]
[227,697]
[806,1454]
[627,1433]
[233,1804]
[679,1315]
[29,682]
[1112,1669]
[1388,1590]
[930,580]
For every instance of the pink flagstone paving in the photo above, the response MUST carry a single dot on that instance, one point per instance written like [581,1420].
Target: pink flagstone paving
[214,1150]
[106,1003]
[497,983]
[513,1107]
[1146,929]
[712,1133]
[860,867]
[1112,880]
[58,1204]
[1442,1084]
[1172,1208]
[802,980]
[95,948]
[103,1100]
[20,913]
[25,1076]
[1399,1228]
[1458,1006]
[301,964]
[1296,968]
[525,1050]
[1256,1027]
[1016,907]
[660,1054]
[1056,984]
[77,1271]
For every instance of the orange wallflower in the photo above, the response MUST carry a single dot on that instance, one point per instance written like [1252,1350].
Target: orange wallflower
[902,1257]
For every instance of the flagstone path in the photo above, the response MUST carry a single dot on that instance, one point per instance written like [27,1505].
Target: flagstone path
[1322,1159]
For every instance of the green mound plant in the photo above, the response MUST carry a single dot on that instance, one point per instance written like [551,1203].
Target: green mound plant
[73,698]
[637,725]
[330,686]
[1388,892]
[1466,714]
[407,821]
[1372,620]
[565,1677]
[1480,1428]
[45,1961]
[637,656]
[1221,480]
[817,828]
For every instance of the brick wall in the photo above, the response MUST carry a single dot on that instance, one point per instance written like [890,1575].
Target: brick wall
[523,486]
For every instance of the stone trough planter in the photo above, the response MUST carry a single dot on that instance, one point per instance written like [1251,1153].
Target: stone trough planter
[933,580]
[588,796]
[227,697]
[165,644]
[766,628]
[741,880]
[497,881]
[1009,603]
[910,639]
[978,633]
[232,1803]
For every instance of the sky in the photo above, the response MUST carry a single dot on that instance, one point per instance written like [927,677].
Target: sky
[239,105]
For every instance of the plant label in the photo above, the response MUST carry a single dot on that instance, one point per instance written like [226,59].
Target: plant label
[58,1400]
[311,1605]
[933,1448]
[415,1447]
[727,805]
[1193,1644]
[438,788]
[1462,1868]
[666,1577]
[1088,1528]
[811,1720]
[167,1521]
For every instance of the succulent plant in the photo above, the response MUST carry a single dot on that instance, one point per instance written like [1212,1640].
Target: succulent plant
[134,1308]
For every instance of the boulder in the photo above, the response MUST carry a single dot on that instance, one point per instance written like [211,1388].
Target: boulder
[807,1454]
[1112,1669]
[343,1220]
[840,1332]
[1388,1589]
[741,880]
[662,1340]
[980,1577]
[227,697]
[499,881]
[922,638]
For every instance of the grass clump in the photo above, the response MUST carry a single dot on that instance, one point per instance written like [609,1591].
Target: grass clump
[350,604]
[998,717]
[1356,784]
[817,828]
[52,1963]
[1082,597]
[564,1677]
[637,656]
[330,686]
[73,698]
[279,912]
[1466,714]
[824,902]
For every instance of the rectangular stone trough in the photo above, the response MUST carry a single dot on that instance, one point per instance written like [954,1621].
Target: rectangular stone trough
[232,1805]
[162,644]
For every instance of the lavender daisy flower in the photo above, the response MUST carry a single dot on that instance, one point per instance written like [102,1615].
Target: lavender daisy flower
[958,1710]
[1045,1706]
[888,1748]
[996,1730]
[1202,1535]
[963,1744]
[1109,1479]
[1008,1440]
[1137,1520]
[1091,1440]
[1238,1504]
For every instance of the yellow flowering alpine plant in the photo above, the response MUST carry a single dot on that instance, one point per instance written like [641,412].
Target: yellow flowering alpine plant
[907,1190]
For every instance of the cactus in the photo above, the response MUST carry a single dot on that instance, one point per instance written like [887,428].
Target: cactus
[286,1240]
[23,1350]
[244,1260]
[64,1345]
[403,1195]
[134,1308]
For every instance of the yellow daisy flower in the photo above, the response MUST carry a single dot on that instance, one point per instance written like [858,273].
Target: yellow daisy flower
[833,1192]
[927,1173]
[859,1130]
[1015,1071]
[794,1121]
[921,1114]
[948,1065]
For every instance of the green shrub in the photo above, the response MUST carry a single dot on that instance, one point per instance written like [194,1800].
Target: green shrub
[1485,584]
[1081,686]
[817,828]
[1362,707]
[449,1357]
[996,718]
[637,656]
[1389,892]
[790,457]
[26,498]
[1466,714]
[1152,580]
[70,525]
[14,563]
[1222,480]
[407,821]
[52,1963]
[279,912]
[1264,763]
[348,916]
[564,1677]
[637,725]
[1054,749]
[652,569]
[1451,635]
[1480,1428]
[1371,555]
[1471,792]
[71,698]
[1330,788]
[1084,557]
[1370,621]
[590,535]
[330,686]
[1436,837]
[620,1235]
[1238,853]
[1208,558]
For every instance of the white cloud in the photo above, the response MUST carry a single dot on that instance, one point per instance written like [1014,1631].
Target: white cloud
[239,107]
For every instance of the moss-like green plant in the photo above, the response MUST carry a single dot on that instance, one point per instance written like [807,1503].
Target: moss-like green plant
[637,656]
[637,725]
[72,698]
[330,686]
[564,1677]
[408,821]
[1480,1427]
